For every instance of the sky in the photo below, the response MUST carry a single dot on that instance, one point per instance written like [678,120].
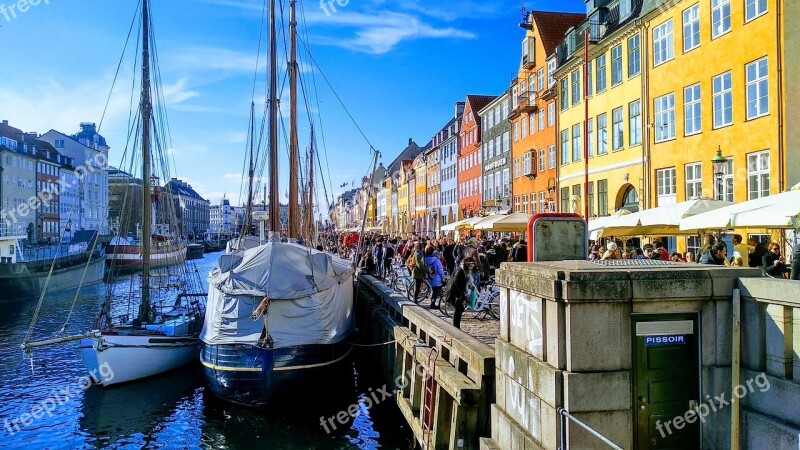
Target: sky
[398,67]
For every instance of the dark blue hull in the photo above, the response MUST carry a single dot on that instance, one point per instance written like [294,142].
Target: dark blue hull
[256,376]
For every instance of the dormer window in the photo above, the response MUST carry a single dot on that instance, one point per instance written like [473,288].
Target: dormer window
[528,52]
[624,9]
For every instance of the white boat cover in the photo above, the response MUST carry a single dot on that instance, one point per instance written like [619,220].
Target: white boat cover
[310,292]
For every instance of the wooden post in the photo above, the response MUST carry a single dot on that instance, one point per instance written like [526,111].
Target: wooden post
[735,367]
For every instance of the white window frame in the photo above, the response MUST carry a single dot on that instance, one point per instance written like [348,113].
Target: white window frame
[757,86]
[663,43]
[724,188]
[758,175]
[720,14]
[635,123]
[616,65]
[691,28]
[759,9]
[542,161]
[551,157]
[665,182]
[694,180]
[617,129]
[722,100]
[692,110]
[634,56]
[576,143]
[664,123]
[602,134]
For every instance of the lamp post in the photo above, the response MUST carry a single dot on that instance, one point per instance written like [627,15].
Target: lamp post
[719,163]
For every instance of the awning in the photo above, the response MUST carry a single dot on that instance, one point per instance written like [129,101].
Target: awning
[517,222]
[780,211]
[661,221]
[466,224]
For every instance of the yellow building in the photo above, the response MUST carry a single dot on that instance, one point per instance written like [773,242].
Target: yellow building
[715,84]
[403,218]
[420,193]
[614,127]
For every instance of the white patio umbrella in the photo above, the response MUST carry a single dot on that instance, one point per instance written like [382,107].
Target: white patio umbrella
[780,211]
[663,220]
[516,222]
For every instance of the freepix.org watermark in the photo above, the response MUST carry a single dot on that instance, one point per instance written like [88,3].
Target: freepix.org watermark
[329,6]
[702,410]
[368,400]
[46,196]
[10,11]
[57,398]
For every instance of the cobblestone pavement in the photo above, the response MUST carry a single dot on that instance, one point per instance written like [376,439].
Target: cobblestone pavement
[485,330]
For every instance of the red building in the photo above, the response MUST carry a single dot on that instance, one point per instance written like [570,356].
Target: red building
[469,159]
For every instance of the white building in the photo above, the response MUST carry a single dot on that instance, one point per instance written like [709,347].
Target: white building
[448,156]
[90,153]
[221,217]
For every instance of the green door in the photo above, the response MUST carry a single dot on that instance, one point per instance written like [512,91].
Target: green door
[666,382]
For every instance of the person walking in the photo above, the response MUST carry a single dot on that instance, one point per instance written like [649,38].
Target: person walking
[460,288]
[418,269]
[435,275]
[774,264]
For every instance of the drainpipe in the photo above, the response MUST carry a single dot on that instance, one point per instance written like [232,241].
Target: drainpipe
[586,123]
[782,175]
[646,114]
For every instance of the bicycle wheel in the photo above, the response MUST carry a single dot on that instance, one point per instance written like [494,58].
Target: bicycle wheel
[494,305]
[446,308]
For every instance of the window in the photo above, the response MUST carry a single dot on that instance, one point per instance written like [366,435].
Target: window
[541,121]
[692,110]
[663,49]
[576,142]
[602,134]
[589,83]
[551,71]
[757,89]
[694,181]
[532,120]
[564,94]
[576,87]
[506,143]
[665,117]
[564,147]
[497,185]
[540,76]
[624,9]
[600,63]
[758,175]
[635,123]
[723,188]
[542,203]
[515,97]
[516,203]
[590,138]
[590,199]
[516,132]
[665,180]
[490,185]
[565,200]
[616,65]
[506,182]
[542,160]
[526,164]
[723,100]
[524,127]
[691,28]
[525,203]
[516,167]
[552,157]
[634,59]
[617,129]
[551,114]
[720,17]
[754,8]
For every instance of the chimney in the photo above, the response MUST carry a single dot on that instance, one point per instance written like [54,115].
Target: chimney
[460,108]
[5,122]
[33,134]
[410,140]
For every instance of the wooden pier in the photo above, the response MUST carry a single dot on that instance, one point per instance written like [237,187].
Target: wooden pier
[443,378]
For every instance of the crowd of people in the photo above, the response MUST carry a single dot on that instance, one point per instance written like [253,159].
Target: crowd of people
[752,254]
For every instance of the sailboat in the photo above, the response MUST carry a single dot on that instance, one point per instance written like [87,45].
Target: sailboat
[279,314]
[163,336]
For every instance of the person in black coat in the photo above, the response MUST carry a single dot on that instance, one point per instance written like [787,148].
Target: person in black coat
[774,264]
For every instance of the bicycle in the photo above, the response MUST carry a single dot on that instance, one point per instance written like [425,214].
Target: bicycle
[487,303]
[401,281]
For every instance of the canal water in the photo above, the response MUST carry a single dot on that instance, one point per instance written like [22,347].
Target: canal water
[44,403]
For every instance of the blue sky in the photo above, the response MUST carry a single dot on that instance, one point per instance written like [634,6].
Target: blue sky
[399,66]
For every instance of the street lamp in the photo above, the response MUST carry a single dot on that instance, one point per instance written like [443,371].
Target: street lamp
[720,165]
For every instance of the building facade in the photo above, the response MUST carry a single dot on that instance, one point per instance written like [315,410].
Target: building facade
[420,193]
[89,151]
[614,131]
[448,159]
[496,155]
[533,116]
[17,184]
[48,165]
[432,188]
[221,217]
[192,211]
[469,159]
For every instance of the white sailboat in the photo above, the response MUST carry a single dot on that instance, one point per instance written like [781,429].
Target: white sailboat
[164,335]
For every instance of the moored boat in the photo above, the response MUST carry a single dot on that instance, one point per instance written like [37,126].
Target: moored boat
[195,251]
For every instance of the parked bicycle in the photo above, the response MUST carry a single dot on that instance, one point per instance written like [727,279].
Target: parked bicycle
[401,280]
[486,304]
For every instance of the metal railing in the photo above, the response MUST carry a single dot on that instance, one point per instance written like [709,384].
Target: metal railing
[566,415]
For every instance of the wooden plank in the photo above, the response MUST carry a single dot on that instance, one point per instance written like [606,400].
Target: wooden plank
[413,423]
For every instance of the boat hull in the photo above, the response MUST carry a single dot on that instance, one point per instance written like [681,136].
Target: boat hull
[129,257]
[195,251]
[257,377]
[115,359]
[21,284]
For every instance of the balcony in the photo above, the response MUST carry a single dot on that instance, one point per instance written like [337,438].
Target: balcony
[573,45]
[527,102]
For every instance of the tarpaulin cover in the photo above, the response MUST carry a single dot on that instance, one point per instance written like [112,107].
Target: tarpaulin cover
[310,292]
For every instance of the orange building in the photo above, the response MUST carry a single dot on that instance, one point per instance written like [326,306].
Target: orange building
[533,113]
[469,158]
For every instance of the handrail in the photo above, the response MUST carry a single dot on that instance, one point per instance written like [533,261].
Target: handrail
[566,415]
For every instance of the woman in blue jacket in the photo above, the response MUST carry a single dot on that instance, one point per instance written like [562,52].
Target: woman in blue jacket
[435,275]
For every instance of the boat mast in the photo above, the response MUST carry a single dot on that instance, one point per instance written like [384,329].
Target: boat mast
[274,202]
[146,112]
[310,214]
[294,223]
[251,174]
